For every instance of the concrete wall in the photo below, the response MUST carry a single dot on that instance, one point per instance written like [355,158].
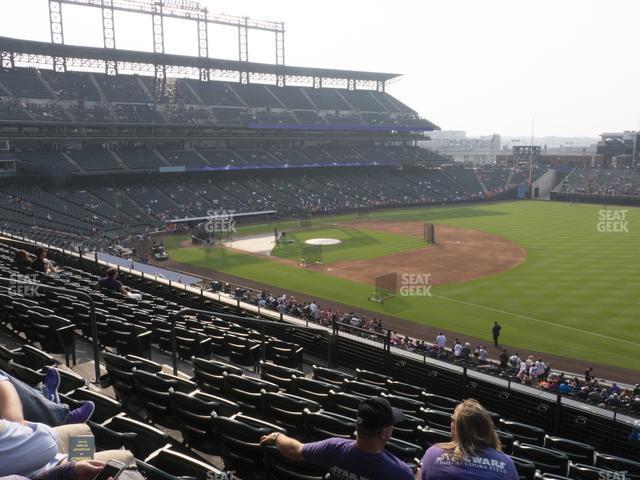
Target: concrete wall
[546,183]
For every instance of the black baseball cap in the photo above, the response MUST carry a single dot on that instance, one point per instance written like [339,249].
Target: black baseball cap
[377,412]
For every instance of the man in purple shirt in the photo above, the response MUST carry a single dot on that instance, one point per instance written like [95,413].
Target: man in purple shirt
[362,459]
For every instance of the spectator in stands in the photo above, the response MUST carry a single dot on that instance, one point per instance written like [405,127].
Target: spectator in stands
[42,263]
[84,470]
[441,340]
[588,375]
[110,282]
[504,360]
[363,458]
[32,449]
[465,354]
[515,361]
[22,261]
[565,388]
[475,451]
[483,355]
[457,349]
[40,405]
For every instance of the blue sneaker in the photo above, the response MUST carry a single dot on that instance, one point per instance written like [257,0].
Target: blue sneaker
[51,383]
[81,414]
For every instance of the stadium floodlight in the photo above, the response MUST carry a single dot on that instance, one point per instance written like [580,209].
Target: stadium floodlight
[181,9]
[185,9]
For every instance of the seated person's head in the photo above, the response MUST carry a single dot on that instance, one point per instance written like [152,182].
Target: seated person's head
[41,252]
[112,273]
[472,429]
[375,420]
[21,256]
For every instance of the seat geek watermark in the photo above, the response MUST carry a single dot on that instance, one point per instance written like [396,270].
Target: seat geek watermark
[24,285]
[230,475]
[611,475]
[415,285]
[613,220]
[220,221]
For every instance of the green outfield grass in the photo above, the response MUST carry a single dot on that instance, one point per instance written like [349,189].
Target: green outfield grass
[576,295]
[356,244]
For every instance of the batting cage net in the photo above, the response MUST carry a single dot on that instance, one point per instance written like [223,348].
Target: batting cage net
[386,287]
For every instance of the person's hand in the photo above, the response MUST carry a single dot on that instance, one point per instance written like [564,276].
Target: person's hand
[271,438]
[87,469]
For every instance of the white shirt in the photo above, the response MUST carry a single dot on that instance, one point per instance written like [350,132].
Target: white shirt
[457,349]
[441,341]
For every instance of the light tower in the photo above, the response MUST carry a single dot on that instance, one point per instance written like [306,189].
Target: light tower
[158,10]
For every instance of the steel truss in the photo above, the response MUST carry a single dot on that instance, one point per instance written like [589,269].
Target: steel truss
[190,10]
[57,32]
[366,85]
[203,42]
[161,9]
[330,82]
[11,59]
[8,59]
[109,34]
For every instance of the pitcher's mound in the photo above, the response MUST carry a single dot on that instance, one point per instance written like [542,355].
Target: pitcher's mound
[322,241]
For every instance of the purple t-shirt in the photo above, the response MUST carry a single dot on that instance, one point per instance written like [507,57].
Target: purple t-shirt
[346,462]
[438,464]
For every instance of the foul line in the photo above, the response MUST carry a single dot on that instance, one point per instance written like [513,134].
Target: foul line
[526,317]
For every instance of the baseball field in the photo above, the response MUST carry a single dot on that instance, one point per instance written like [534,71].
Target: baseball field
[562,279]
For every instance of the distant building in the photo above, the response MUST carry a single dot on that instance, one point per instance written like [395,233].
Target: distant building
[619,149]
[553,157]
[455,144]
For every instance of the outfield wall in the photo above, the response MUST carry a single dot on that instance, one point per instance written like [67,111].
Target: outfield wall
[626,200]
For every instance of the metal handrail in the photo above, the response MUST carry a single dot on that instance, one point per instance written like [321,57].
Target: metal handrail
[80,296]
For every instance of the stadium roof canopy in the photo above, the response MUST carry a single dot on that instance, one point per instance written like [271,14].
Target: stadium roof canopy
[18,47]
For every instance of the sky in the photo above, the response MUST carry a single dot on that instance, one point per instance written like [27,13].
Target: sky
[568,67]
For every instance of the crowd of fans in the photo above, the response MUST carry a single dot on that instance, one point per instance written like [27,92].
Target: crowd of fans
[605,182]
[94,213]
[531,371]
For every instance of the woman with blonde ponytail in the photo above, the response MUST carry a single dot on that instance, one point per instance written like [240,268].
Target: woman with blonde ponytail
[474,452]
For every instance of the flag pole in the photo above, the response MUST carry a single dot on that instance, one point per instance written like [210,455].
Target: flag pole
[531,163]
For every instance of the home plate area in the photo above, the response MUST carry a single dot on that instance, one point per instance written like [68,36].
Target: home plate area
[260,244]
